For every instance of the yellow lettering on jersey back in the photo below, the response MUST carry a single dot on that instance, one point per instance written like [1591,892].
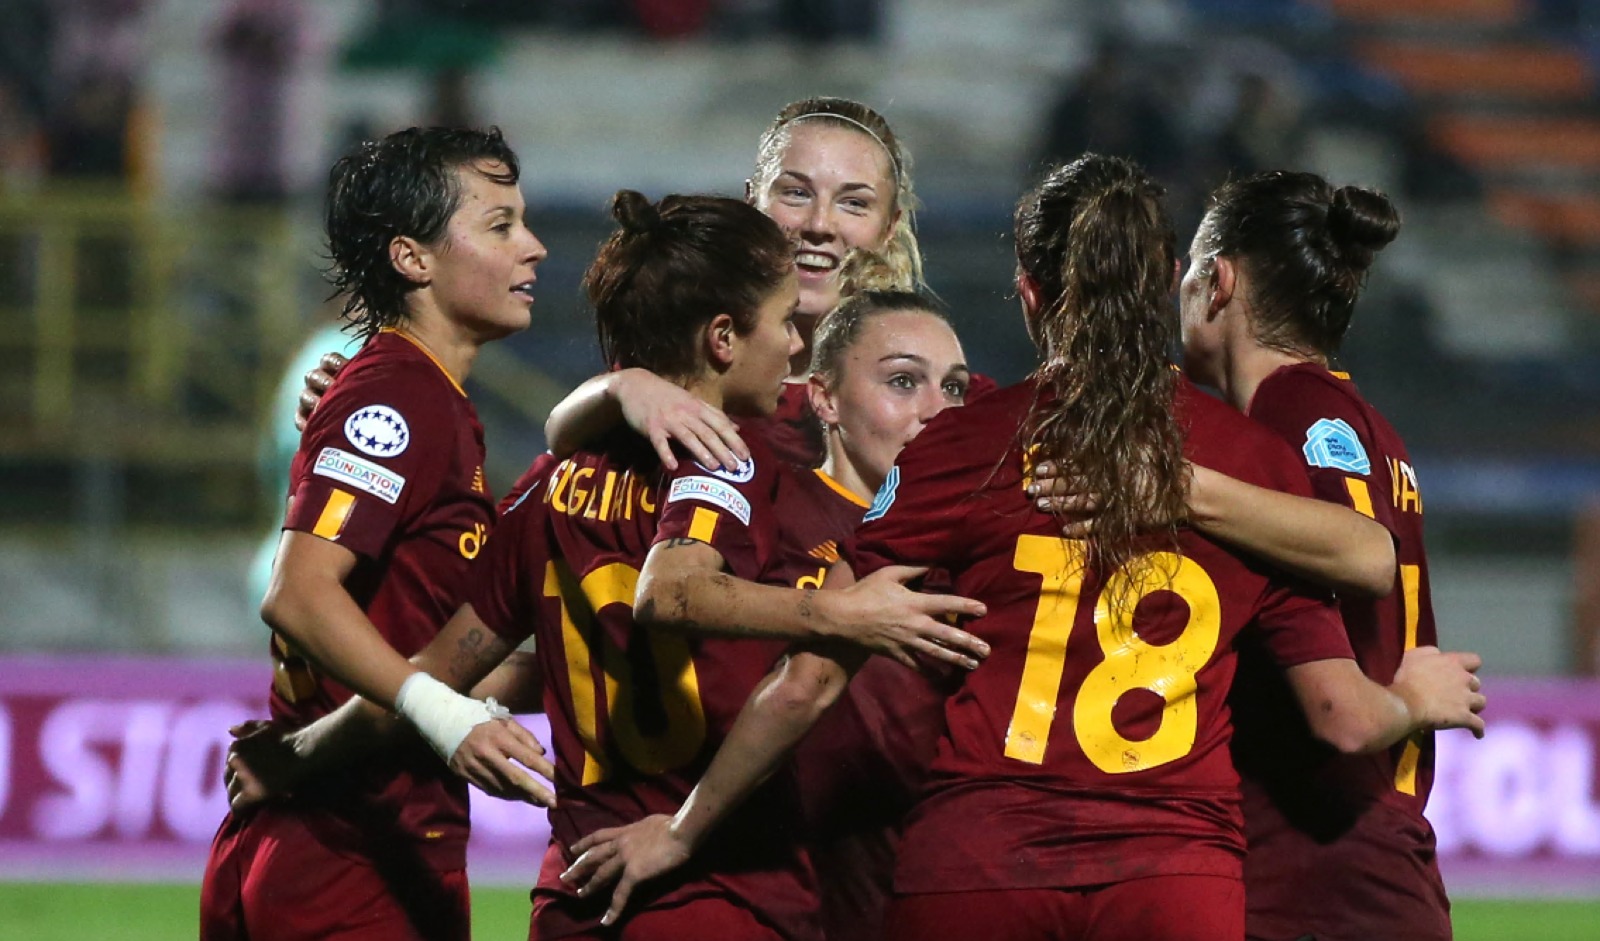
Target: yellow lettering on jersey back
[577,494]
[605,498]
[1407,498]
[553,497]
[335,513]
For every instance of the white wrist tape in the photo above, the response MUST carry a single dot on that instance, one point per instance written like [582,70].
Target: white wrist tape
[442,715]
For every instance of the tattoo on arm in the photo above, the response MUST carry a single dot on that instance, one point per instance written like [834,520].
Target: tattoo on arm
[678,542]
[476,653]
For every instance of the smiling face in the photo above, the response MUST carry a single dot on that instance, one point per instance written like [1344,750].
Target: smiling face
[482,270]
[833,188]
[759,363]
[903,368]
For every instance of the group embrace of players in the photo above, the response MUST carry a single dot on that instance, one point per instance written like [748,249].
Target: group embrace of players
[1039,631]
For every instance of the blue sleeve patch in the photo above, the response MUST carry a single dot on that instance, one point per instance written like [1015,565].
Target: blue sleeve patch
[1332,443]
[884,498]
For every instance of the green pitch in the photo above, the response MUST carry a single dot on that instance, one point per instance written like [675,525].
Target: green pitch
[54,912]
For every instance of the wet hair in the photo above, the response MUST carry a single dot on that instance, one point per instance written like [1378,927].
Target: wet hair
[403,185]
[902,251]
[671,267]
[869,286]
[1096,241]
[1306,248]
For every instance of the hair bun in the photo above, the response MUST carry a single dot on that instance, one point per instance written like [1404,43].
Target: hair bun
[635,213]
[1361,222]
[864,270]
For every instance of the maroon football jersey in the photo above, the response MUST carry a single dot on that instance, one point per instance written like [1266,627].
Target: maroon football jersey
[859,767]
[1091,746]
[1338,844]
[636,714]
[390,467]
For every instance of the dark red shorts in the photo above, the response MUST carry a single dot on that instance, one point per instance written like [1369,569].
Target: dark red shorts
[269,879]
[1158,908]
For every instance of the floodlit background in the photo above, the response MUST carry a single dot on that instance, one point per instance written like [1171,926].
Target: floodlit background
[161,164]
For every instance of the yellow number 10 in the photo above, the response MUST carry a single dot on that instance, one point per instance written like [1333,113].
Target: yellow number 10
[656,719]
[1130,662]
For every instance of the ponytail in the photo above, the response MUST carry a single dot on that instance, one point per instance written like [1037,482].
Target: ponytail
[1096,241]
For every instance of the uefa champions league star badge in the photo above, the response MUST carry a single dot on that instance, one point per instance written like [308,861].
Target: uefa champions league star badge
[377,430]
[744,473]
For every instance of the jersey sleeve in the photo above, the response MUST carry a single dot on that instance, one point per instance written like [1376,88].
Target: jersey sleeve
[1334,439]
[914,518]
[376,453]
[1300,626]
[730,511]
[507,583]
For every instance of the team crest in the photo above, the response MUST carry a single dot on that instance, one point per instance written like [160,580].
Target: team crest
[1332,443]
[378,430]
[745,472]
[884,498]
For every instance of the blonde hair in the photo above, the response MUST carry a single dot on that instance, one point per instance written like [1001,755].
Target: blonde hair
[901,251]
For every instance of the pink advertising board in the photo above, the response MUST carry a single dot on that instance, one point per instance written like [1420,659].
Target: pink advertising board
[110,768]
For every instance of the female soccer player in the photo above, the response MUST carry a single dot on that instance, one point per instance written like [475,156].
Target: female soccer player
[1083,788]
[1339,846]
[387,508]
[833,174]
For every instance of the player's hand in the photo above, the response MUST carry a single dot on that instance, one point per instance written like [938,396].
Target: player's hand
[664,412]
[882,615]
[317,382]
[260,765]
[497,756]
[1442,688]
[628,855]
[1065,497]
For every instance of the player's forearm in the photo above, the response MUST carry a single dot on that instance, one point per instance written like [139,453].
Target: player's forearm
[783,708]
[587,413]
[325,626]
[1325,542]
[705,601]
[343,738]
[516,684]
[1349,711]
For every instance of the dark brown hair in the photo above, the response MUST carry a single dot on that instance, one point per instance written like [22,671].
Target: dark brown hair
[671,267]
[403,185]
[1095,240]
[1305,247]
[902,252]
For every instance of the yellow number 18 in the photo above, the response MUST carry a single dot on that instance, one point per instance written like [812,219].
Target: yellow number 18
[1130,662]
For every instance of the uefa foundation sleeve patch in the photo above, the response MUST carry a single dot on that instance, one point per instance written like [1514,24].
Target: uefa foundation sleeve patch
[714,492]
[1332,443]
[359,473]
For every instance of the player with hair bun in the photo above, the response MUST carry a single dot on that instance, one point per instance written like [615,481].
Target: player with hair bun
[1339,846]
[386,510]
[1082,788]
